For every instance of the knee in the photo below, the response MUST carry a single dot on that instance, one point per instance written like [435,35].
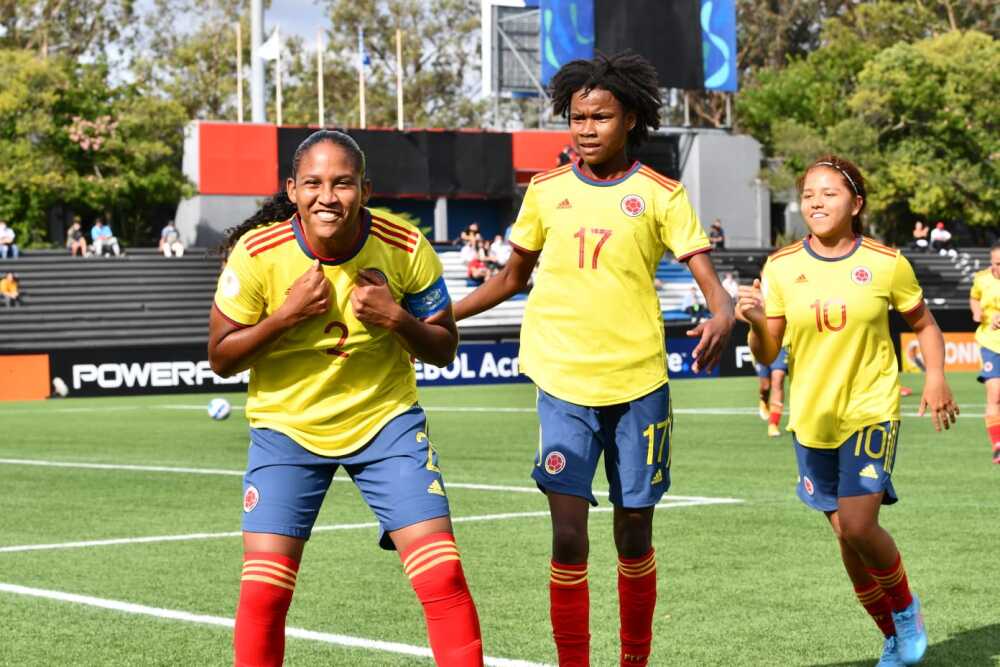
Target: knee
[569,543]
[855,531]
[634,537]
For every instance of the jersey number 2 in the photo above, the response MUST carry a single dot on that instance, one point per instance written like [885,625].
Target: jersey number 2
[581,234]
[336,349]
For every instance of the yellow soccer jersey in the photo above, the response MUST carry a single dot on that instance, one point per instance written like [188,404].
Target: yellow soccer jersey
[331,382]
[986,290]
[843,365]
[593,331]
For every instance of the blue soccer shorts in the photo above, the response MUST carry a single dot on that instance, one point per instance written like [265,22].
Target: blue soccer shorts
[861,465]
[780,363]
[634,438]
[991,364]
[396,472]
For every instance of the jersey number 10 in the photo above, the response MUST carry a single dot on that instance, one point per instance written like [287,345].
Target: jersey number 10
[824,310]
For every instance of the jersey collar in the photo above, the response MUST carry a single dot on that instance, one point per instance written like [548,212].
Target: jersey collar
[857,244]
[590,181]
[359,243]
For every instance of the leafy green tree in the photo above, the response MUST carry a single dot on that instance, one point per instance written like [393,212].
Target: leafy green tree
[68,137]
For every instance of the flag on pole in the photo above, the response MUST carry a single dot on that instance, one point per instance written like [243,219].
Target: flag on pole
[363,59]
[269,50]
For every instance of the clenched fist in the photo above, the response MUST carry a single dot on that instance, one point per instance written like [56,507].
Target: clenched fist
[372,301]
[308,296]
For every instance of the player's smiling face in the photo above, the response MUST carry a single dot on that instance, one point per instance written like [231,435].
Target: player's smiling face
[599,125]
[828,204]
[328,192]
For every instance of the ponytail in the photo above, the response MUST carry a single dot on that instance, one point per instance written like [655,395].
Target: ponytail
[278,207]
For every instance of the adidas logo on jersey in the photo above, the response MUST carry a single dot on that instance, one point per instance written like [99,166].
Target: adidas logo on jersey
[801,279]
[564,204]
[869,472]
[435,488]
[657,478]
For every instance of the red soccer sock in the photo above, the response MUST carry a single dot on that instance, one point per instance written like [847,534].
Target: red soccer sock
[636,602]
[265,593]
[877,604]
[569,600]
[775,418]
[434,567]
[893,582]
[993,429]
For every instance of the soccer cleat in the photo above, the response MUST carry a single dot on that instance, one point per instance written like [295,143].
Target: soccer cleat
[890,654]
[773,430]
[911,636]
[763,410]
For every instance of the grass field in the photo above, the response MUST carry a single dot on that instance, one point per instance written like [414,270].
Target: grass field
[120,565]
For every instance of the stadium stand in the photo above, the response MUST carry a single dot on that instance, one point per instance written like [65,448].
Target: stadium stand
[145,299]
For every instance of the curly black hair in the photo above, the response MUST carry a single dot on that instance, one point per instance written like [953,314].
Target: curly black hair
[628,76]
[279,206]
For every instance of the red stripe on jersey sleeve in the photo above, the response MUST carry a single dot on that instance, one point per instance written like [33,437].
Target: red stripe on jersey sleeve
[667,183]
[522,249]
[687,256]
[256,239]
[546,175]
[374,232]
[915,309]
[273,244]
[241,325]
[882,250]
[398,228]
[393,233]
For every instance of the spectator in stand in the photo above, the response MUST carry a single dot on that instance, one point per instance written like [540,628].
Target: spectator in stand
[920,232]
[7,246]
[477,272]
[170,241]
[717,236]
[10,290]
[104,240]
[76,240]
[731,285]
[468,252]
[500,251]
[470,234]
[941,240]
[694,305]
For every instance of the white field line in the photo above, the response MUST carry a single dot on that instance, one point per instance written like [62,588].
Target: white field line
[723,412]
[239,473]
[682,501]
[204,619]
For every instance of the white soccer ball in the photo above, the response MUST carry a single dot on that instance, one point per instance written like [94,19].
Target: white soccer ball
[59,387]
[218,409]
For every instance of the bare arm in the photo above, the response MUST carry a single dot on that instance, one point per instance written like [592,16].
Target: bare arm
[233,348]
[714,332]
[977,310]
[766,333]
[513,278]
[434,340]
[937,395]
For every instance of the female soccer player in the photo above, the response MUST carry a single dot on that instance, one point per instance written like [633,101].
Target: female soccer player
[592,339]
[984,300]
[325,301]
[830,294]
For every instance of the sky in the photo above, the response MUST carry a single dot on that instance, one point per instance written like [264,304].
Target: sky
[295,17]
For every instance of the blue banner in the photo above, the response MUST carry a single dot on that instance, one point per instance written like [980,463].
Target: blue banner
[718,40]
[567,33]
[497,363]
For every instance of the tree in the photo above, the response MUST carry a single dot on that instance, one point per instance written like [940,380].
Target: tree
[68,137]
[69,28]
[894,88]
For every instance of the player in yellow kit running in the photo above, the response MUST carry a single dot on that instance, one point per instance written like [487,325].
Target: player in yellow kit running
[984,300]
[829,296]
[324,301]
[593,340]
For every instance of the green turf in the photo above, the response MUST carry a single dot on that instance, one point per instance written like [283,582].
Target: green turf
[758,583]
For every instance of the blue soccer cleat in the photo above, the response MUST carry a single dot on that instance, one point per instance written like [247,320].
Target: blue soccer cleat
[890,656]
[911,636]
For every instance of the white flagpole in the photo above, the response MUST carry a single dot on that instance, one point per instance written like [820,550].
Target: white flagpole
[319,75]
[239,73]
[277,76]
[399,79]
[361,78]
